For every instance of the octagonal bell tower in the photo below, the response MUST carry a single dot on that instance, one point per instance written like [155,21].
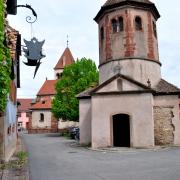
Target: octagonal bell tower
[128,41]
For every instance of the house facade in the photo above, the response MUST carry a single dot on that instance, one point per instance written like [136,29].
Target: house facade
[41,117]
[23,113]
[8,120]
[132,106]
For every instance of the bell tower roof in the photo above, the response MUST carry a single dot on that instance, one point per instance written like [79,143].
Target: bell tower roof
[111,4]
[65,59]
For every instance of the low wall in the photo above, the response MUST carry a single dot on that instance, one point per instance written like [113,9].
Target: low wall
[66,124]
[42,131]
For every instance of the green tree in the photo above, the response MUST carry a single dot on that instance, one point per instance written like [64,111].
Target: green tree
[75,79]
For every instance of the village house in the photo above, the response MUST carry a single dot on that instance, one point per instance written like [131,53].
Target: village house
[41,117]
[24,106]
[133,106]
[8,120]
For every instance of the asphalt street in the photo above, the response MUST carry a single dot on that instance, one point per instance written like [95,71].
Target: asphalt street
[54,158]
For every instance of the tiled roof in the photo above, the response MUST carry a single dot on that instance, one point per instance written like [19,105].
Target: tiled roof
[166,87]
[48,88]
[44,103]
[66,59]
[25,104]
[112,2]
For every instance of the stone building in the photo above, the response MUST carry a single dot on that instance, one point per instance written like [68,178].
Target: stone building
[132,106]
[41,117]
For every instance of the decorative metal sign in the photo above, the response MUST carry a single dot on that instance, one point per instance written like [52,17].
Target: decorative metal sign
[33,53]
[33,48]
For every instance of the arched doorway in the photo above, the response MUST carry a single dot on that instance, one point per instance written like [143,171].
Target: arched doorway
[121,130]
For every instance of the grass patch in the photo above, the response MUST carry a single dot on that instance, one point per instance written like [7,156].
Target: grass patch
[18,163]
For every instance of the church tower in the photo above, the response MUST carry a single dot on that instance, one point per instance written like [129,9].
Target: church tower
[132,106]
[65,59]
[128,41]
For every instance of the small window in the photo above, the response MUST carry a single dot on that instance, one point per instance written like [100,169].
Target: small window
[57,75]
[43,102]
[114,26]
[154,29]
[121,24]
[41,117]
[138,23]
[119,85]
[102,33]
[9,130]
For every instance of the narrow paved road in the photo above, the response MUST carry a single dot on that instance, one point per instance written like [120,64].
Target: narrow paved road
[55,158]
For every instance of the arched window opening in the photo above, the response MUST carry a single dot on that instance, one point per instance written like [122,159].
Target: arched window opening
[114,26]
[102,33]
[154,29]
[138,23]
[58,75]
[121,24]
[41,117]
[119,85]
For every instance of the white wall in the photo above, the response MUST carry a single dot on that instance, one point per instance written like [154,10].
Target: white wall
[85,121]
[10,139]
[138,107]
[36,119]
[67,124]
[138,70]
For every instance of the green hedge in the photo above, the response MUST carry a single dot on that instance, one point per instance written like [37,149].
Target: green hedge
[5,61]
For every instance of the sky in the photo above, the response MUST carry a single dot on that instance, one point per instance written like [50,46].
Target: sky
[59,18]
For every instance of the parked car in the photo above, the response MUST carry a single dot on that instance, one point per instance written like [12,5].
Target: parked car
[74,133]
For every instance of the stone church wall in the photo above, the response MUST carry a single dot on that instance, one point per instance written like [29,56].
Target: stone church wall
[163,125]
[171,101]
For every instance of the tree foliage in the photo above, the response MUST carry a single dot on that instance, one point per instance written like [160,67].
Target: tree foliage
[5,61]
[75,79]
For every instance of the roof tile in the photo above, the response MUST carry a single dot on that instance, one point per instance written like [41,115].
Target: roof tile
[48,88]
[25,104]
[66,59]
[44,103]
[164,86]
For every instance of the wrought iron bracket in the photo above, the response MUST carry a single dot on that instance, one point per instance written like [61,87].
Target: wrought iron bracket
[29,18]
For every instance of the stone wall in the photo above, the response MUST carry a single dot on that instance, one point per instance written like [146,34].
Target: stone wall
[163,125]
